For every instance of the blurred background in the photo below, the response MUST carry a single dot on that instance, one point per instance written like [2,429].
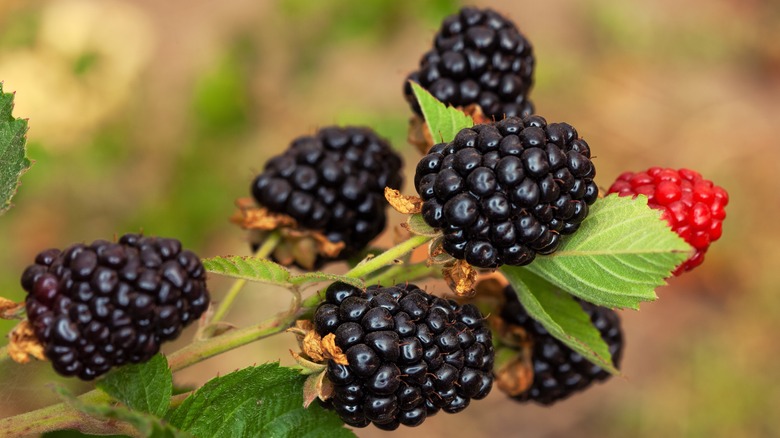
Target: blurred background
[154,116]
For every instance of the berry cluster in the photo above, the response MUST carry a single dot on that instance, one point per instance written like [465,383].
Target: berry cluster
[506,191]
[479,58]
[693,206]
[105,304]
[560,371]
[333,182]
[410,354]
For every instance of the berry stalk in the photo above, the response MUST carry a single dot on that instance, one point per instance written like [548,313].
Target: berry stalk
[387,257]
[63,416]
[263,252]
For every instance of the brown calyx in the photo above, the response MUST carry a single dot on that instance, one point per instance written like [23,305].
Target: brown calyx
[24,344]
[298,245]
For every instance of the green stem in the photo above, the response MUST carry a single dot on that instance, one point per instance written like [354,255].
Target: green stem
[387,257]
[206,348]
[264,251]
[63,416]
[402,273]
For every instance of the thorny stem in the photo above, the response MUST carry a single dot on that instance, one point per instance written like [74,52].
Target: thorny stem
[63,416]
[263,252]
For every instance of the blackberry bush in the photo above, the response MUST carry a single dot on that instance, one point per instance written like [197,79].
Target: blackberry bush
[106,304]
[409,354]
[559,371]
[503,193]
[693,206]
[497,195]
[333,182]
[479,57]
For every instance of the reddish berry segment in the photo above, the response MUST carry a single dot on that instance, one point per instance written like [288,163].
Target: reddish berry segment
[105,304]
[693,206]
[410,354]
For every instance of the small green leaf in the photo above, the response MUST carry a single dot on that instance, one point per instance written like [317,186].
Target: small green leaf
[249,268]
[562,316]
[13,155]
[315,277]
[266,401]
[145,387]
[148,425]
[443,121]
[416,225]
[617,258]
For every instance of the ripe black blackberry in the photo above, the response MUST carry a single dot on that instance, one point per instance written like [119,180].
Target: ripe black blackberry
[105,304]
[503,192]
[560,371]
[333,182]
[410,354]
[479,57]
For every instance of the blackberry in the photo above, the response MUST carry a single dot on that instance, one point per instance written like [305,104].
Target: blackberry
[693,206]
[559,371]
[503,192]
[410,354]
[106,304]
[479,57]
[333,182]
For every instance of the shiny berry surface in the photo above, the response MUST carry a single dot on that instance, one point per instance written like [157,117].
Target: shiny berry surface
[407,353]
[333,182]
[478,57]
[105,304]
[503,193]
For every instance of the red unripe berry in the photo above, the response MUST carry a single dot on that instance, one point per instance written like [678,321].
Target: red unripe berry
[693,206]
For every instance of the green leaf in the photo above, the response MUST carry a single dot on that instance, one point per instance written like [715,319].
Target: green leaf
[315,277]
[443,121]
[562,316]
[265,401]
[145,387]
[249,268]
[416,225]
[13,156]
[148,425]
[617,258]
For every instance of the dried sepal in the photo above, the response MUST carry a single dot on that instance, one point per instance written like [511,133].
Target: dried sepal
[251,217]
[419,135]
[437,255]
[402,203]
[24,344]
[317,386]
[325,246]
[10,309]
[475,112]
[461,278]
[315,347]
[514,372]
[312,346]
[307,366]
[333,351]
